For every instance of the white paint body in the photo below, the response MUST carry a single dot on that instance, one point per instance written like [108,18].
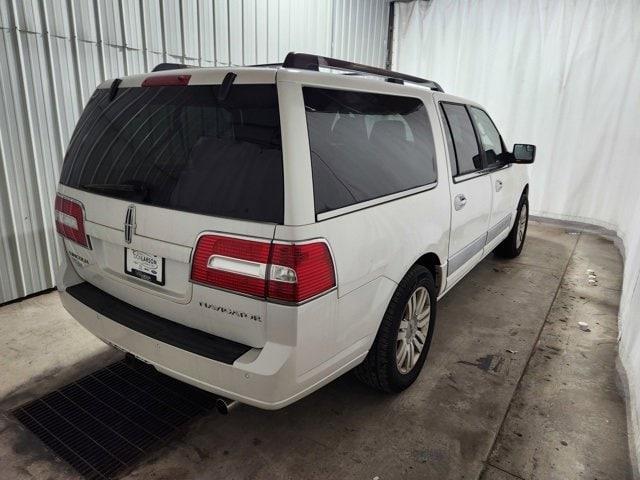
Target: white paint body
[295,349]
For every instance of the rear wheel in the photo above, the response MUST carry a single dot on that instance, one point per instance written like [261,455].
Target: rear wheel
[403,340]
[512,245]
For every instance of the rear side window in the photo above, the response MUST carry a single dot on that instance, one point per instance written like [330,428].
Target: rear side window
[366,145]
[178,147]
[468,156]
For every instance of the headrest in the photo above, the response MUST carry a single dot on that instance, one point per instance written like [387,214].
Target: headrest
[348,127]
[388,129]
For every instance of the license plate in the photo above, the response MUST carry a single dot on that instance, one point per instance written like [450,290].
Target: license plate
[144,265]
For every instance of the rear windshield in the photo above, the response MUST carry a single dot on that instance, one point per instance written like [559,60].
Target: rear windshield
[179,147]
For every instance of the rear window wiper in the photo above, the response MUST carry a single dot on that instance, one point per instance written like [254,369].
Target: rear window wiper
[116,187]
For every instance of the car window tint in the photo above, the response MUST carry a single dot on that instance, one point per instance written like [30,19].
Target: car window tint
[179,147]
[366,145]
[451,149]
[489,136]
[464,139]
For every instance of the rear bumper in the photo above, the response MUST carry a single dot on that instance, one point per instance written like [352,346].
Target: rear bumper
[158,328]
[266,377]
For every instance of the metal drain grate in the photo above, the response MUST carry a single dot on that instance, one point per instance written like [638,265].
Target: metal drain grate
[106,421]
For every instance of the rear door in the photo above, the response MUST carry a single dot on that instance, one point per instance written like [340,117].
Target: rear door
[505,194]
[470,192]
[159,168]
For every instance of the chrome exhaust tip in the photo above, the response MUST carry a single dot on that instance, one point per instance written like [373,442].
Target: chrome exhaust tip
[224,407]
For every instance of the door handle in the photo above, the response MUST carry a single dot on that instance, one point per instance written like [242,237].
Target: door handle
[498,185]
[459,201]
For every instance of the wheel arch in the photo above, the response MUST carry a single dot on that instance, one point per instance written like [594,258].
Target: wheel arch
[432,262]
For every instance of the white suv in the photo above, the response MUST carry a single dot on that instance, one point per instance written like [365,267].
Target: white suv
[259,231]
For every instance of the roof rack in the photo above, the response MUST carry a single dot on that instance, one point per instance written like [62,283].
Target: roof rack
[177,66]
[170,66]
[265,65]
[306,61]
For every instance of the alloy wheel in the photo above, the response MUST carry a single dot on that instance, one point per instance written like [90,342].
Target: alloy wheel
[413,330]
[522,225]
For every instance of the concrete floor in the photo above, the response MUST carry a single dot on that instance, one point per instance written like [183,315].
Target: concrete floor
[512,388]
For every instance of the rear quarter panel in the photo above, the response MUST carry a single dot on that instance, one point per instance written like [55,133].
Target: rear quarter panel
[373,247]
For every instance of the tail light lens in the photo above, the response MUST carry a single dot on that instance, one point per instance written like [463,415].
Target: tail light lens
[166,80]
[299,272]
[275,271]
[70,220]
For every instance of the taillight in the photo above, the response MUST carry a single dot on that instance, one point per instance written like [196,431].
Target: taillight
[286,272]
[70,220]
[300,271]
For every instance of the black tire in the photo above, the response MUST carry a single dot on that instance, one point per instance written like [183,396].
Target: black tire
[379,369]
[511,246]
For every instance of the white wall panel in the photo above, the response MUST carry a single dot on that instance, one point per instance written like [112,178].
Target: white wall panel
[90,70]
[360,30]
[85,20]
[6,21]
[27,15]
[111,22]
[207,44]
[65,83]
[222,33]
[152,15]
[564,75]
[57,17]
[132,24]
[190,27]
[236,33]
[54,52]
[172,30]
[135,60]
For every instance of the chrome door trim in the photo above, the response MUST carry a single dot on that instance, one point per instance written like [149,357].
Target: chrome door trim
[479,173]
[130,223]
[498,228]
[463,256]
[374,202]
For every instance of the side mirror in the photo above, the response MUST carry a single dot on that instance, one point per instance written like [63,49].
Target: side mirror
[523,153]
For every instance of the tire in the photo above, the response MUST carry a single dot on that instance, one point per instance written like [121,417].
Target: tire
[512,245]
[380,368]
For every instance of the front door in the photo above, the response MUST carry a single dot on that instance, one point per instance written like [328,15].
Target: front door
[505,189]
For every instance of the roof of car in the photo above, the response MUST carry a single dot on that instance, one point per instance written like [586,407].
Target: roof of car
[266,73]
[306,61]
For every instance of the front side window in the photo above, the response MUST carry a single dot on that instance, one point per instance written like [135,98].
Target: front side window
[366,145]
[489,136]
[468,157]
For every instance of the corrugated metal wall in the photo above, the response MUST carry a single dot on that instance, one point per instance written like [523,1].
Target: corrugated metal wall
[54,52]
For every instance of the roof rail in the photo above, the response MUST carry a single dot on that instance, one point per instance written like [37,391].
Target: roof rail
[306,61]
[170,66]
[266,65]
